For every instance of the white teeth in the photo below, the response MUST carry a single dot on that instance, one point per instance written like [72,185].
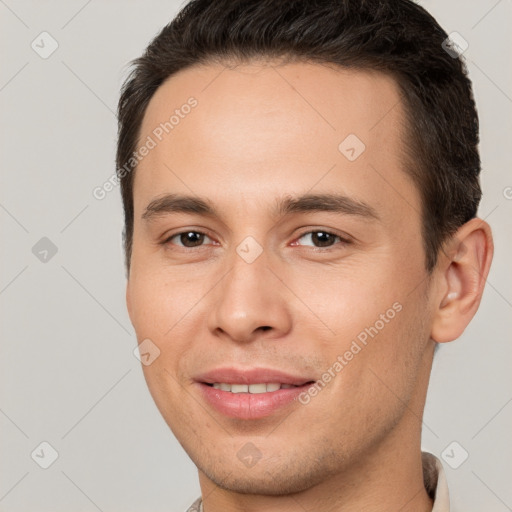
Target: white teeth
[252,388]
[257,388]
[239,388]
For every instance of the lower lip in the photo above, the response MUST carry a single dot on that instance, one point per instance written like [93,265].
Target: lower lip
[250,406]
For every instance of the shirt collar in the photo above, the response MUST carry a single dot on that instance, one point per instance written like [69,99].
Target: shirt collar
[435,482]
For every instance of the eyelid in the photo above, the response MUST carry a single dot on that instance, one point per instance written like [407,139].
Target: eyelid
[167,238]
[344,237]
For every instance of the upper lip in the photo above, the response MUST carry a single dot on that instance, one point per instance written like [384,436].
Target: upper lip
[232,375]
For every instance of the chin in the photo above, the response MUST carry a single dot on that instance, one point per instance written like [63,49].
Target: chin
[265,481]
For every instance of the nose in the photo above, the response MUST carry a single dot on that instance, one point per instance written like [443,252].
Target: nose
[249,302]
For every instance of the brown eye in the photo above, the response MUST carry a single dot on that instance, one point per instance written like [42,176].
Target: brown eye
[321,238]
[188,239]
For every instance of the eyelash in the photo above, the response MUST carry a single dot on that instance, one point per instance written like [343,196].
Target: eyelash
[343,241]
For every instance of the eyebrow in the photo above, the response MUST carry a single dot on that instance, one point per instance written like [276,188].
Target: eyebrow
[335,203]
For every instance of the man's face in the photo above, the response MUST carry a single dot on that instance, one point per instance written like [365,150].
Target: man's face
[288,291]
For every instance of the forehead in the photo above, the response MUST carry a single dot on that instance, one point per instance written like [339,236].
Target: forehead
[261,127]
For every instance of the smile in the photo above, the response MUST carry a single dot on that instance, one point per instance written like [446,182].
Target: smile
[251,388]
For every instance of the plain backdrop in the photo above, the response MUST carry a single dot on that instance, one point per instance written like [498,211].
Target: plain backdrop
[68,374]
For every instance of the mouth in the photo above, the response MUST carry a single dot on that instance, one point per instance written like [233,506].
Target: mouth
[254,389]
[252,393]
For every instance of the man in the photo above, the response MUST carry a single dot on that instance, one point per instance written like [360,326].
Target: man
[300,187]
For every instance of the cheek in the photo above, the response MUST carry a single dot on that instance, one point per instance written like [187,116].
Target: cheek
[344,301]
[158,315]
[379,333]
[162,310]
[157,303]
[373,390]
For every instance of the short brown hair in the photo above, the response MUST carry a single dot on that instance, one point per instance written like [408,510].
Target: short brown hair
[397,37]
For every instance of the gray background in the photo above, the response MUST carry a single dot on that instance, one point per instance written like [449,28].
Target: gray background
[68,373]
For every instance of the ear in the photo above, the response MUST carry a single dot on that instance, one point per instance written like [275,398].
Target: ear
[461,273]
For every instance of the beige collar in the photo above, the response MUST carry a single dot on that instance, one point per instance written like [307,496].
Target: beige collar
[435,482]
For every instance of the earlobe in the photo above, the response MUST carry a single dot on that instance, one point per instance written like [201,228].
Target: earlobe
[462,272]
